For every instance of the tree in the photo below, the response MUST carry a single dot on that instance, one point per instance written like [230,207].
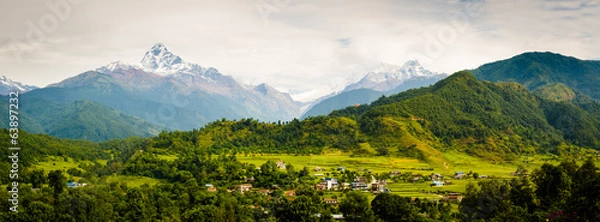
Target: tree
[291,172]
[383,151]
[37,178]
[586,192]
[136,206]
[200,214]
[553,187]
[304,172]
[355,207]
[486,201]
[390,207]
[522,194]
[39,211]
[58,181]
[268,168]
[301,209]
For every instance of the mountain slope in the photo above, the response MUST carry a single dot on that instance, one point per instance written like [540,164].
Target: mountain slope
[168,91]
[385,80]
[342,100]
[496,121]
[536,69]
[79,120]
[8,85]
[387,77]
[484,119]
[161,104]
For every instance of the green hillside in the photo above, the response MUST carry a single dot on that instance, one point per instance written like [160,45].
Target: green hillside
[36,148]
[163,105]
[365,96]
[482,118]
[458,124]
[537,69]
[78,120]
[495,121]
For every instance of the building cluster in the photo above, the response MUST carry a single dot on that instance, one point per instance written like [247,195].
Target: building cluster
[359,183]
[75,184]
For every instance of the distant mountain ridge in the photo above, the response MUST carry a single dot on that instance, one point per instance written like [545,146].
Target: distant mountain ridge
[385,80]
[387,77]
[78,120]
[166,90]
[8,85]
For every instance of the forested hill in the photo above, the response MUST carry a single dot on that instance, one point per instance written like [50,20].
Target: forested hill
[537,69]
[80,119]
[35,148]
[490,120]
[484,117]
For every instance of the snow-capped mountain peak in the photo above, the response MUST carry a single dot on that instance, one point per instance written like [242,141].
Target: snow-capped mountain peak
[161,61]
[8,85]
[387,76]
[385,67]
[159,58]
[409,70]
[117,66]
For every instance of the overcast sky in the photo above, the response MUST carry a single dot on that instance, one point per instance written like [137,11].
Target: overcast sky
[306,47]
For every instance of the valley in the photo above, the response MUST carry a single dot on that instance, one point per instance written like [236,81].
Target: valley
[435,152]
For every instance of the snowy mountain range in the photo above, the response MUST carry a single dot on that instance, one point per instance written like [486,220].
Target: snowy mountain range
[163,91]
[168,91]
[8,85]
[159,65]
[387,79]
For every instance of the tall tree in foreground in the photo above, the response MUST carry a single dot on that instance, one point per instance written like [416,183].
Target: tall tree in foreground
[490,201]
[585,198]
[553,186]
[355,207]
[390,207]
[37,178]
[58,181]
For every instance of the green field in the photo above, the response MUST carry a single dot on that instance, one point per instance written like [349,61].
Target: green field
[133,181]
[330,163]
[58,163]
[454,161]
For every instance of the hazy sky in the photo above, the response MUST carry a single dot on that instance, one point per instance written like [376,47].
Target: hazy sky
[305,47]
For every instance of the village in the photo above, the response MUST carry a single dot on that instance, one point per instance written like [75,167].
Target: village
[331,183]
